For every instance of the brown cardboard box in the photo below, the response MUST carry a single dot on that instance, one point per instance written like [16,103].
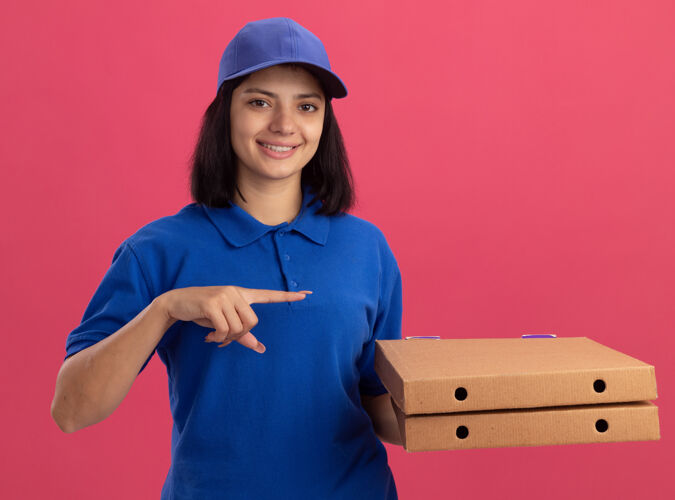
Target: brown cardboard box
[515,392]
[636,421]
[450,375]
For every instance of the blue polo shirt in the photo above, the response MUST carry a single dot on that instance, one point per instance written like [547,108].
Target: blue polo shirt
[287,423]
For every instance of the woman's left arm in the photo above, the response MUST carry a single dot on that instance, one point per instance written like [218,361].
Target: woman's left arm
[384,419]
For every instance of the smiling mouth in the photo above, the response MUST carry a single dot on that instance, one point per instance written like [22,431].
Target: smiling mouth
[278,149]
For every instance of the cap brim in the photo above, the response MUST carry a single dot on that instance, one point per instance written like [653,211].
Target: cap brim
[330,80]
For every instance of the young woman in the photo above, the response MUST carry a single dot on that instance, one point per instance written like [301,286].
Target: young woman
[263,297]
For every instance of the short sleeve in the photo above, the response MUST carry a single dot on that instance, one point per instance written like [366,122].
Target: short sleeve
[387,324]
[121,295]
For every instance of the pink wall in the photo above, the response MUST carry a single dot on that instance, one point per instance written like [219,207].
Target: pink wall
[517,155]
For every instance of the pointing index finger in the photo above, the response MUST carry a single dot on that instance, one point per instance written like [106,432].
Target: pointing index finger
[261,296]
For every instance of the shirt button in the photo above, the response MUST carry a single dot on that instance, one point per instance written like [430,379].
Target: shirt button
[287,257]
[281,233]
[294,284]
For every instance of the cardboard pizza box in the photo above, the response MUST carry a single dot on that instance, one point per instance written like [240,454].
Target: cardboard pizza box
[461,375]
[601,423]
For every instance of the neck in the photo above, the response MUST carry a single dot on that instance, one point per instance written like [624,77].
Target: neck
[270,204]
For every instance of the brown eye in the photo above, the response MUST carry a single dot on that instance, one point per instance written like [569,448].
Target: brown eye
[255,101]
[312,105]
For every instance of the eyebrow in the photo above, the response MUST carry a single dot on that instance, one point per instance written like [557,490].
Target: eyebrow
[254,90]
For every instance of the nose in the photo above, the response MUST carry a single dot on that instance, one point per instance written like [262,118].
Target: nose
[283,121]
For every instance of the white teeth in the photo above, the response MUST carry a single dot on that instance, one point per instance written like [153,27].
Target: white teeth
[278,149]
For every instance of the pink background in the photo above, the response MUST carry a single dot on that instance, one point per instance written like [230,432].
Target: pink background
[517,155]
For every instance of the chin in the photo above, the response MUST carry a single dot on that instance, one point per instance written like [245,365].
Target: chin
[278,173]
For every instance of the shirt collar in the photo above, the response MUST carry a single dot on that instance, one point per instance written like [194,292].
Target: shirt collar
[240,228]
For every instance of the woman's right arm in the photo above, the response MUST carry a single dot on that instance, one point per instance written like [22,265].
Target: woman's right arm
[94,381]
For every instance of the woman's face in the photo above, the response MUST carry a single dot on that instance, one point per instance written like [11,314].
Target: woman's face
[275,109]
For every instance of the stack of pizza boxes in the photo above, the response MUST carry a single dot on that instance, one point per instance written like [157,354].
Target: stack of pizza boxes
[487,393]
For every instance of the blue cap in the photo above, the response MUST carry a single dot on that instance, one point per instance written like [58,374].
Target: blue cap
[264,43]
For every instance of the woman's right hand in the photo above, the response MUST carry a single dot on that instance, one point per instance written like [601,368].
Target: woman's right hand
[226,309]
